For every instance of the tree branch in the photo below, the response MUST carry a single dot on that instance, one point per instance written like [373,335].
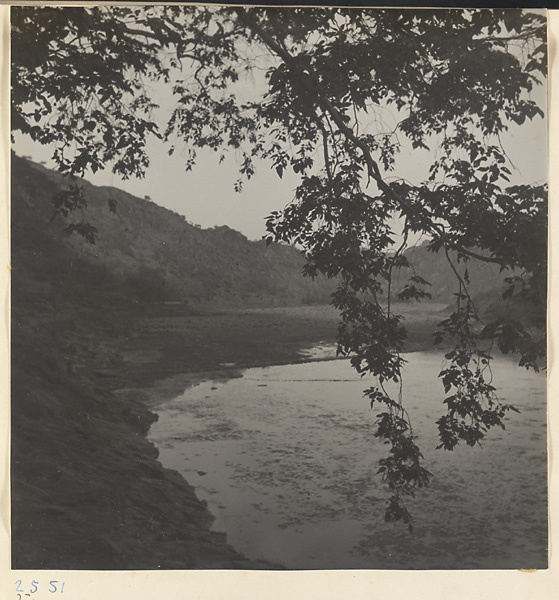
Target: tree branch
[312,87]
[142,33]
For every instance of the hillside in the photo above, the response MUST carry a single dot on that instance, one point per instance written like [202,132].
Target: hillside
[486,283]
[435,268]
[144,253]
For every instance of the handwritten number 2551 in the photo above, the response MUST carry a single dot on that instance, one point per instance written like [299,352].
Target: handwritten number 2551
[53,587]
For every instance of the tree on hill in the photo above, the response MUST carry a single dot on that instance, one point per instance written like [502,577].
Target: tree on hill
[454,80]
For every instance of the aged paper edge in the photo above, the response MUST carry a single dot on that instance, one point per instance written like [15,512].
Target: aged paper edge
[233,585]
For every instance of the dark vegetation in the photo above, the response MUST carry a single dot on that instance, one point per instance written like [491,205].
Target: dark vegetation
[488,286]
[146,253]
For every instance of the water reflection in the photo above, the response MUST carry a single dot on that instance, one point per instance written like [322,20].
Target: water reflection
[286,459]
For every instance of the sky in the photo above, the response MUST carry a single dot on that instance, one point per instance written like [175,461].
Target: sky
[206,196]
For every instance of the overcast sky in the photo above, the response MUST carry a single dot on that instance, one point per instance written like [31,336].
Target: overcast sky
[205,195]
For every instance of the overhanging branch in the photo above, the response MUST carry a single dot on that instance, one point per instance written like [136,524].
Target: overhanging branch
[311,86]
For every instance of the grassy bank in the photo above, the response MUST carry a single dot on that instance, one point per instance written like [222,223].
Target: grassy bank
[88,491]
[166,341]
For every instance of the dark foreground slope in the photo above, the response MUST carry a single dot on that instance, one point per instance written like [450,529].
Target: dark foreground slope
[87,491]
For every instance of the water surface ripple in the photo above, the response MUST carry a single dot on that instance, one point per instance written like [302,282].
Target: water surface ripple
[286,459]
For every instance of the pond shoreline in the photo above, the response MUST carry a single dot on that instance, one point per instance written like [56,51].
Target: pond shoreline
[100,498]
[87,489]
[243,444]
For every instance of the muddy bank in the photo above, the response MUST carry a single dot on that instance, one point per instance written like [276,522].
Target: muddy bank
[168,351]
[87,489]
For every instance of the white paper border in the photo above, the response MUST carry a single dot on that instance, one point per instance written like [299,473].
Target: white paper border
[242,585]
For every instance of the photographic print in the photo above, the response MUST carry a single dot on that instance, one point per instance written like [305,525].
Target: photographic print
[279,288]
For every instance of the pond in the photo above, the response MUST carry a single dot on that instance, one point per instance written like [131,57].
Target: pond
[286,459]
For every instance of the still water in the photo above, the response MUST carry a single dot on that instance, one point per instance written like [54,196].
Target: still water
[286,459]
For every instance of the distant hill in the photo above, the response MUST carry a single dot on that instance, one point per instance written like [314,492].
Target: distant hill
[486,282]
[434,267]
[145,253]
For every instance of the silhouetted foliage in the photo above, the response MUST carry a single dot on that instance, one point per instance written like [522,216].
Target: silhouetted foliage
[455,81]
